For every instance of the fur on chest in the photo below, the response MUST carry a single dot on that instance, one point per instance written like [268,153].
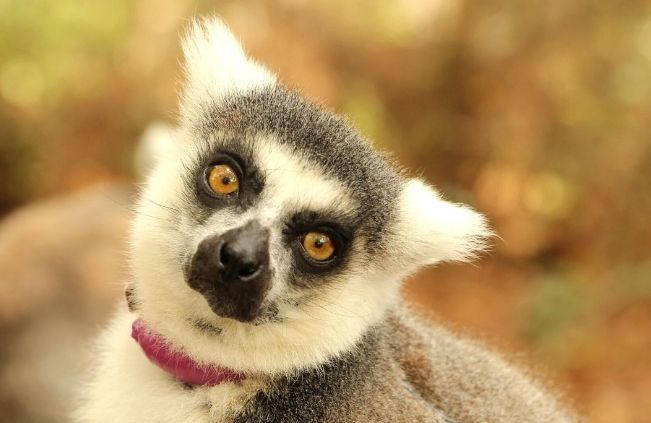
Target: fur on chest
[127,387]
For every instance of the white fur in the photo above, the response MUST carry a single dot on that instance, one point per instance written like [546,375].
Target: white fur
[322,327]
[430,229]
[327,324]
[127,388]
[216,67]
[157,138]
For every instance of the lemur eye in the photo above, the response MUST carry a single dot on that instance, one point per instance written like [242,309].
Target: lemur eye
[319,246]
[222,179]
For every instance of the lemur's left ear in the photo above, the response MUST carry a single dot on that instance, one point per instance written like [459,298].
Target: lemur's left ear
[216,67]
[431,229]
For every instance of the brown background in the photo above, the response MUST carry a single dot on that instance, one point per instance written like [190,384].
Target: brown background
[536,113]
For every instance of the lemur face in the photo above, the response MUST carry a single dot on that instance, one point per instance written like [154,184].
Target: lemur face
[276,193]
[278,226]
[268,206]
[273,222]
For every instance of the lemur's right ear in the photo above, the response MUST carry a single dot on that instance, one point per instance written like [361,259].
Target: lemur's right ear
[429,229]
[216,67]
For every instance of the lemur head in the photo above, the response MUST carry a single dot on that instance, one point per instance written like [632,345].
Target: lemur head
[271,235]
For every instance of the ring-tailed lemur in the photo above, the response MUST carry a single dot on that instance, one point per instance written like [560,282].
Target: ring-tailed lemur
[268,251]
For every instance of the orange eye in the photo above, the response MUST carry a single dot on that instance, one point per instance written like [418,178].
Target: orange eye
[319,246]
[222,179]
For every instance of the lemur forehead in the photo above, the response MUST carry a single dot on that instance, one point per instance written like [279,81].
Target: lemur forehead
[317,136]
[299,182]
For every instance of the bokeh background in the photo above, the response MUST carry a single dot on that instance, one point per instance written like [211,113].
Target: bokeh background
[536,113]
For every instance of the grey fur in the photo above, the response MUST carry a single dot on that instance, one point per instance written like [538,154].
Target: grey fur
[404,370]
[320,136]
[388,367]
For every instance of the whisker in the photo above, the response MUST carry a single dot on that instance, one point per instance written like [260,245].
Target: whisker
[170,208]
[351,313]
[113,199]
[159,227]
[136,211]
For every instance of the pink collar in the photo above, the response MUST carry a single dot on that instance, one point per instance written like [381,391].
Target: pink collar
[178,363]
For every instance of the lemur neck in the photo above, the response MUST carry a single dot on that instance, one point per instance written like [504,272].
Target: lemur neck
[177,363]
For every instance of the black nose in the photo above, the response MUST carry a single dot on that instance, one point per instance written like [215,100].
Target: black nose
[243,252]
[232,272]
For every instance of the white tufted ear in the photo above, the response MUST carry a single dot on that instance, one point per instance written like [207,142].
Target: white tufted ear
[216,67]
[431,229]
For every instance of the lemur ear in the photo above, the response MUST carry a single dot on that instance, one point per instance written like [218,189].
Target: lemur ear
[216,67]
[431,229]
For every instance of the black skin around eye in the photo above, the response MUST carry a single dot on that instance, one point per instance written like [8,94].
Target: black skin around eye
[303,223]
[250,182]
[235,153]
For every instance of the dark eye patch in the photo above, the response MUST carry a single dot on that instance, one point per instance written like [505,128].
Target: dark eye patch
[237,156]
[339,230]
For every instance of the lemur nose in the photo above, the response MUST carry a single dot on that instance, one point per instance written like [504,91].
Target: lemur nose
[238,261]
[232,271]
[243,253]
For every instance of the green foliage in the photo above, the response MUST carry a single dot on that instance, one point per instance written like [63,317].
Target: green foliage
[556,304]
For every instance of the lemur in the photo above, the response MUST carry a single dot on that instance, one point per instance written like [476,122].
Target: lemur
[268,250]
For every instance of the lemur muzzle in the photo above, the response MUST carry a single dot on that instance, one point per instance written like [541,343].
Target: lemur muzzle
[232,272]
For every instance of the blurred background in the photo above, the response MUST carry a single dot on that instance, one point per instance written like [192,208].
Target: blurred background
[536,113]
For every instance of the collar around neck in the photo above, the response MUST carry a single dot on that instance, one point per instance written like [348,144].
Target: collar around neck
[176,362]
